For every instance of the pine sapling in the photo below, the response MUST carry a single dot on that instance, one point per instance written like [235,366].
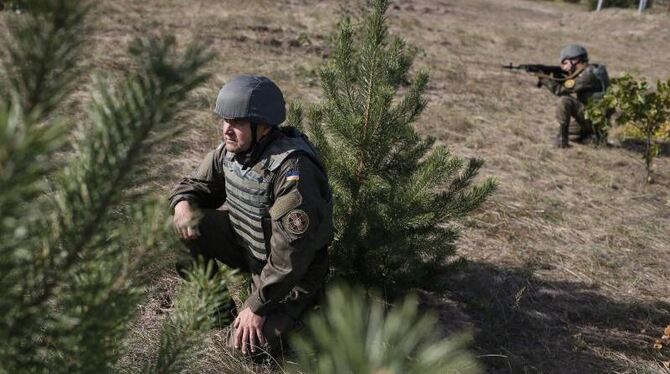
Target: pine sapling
[396,193]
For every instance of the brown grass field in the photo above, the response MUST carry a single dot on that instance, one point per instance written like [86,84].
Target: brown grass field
[568,265]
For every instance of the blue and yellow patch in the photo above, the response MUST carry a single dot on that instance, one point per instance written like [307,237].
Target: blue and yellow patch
[293,175]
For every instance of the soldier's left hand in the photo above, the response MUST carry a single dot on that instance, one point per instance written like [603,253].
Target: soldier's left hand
[249,331]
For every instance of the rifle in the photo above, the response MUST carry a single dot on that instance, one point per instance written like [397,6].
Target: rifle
[553,72]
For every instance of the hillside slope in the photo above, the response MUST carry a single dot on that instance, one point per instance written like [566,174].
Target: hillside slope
[567,265]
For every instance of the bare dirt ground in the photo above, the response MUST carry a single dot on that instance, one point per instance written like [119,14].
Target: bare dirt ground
[567,264]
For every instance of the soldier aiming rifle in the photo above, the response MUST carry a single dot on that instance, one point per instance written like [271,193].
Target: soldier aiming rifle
[575,82]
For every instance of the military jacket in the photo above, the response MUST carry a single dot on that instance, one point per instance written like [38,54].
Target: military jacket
[280,207]
[584,86]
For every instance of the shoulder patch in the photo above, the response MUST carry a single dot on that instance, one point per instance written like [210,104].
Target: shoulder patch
[296,222]
[293,175]
[285,203]
[569,83]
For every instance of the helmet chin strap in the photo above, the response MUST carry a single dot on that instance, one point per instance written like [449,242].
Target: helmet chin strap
[254,135]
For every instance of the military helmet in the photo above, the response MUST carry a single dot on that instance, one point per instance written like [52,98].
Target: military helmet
[251,97]
[573,51]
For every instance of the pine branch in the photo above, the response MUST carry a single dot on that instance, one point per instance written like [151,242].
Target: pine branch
[184,335]
[43,279]
[370,340]
[41,63]
[103,290]
[44,52]
[110,148]
[44,43]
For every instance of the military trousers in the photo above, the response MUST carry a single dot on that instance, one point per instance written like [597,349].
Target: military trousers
[217,240]
[568,108]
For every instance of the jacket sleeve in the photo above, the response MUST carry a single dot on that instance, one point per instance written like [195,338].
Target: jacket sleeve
[301,219]
[206,187]
[555,87]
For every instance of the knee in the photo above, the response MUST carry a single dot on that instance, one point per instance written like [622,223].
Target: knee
[197,247]
[209,218]
[564,109]
[565,103]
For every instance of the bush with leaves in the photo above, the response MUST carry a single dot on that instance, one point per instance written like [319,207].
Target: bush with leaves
[631,132]
[395,193]
[74,230]
[645,110]
[354,334]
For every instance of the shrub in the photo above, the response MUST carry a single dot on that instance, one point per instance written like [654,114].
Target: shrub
[645,110]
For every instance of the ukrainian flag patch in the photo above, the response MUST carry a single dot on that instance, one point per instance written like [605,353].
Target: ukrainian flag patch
[293,175]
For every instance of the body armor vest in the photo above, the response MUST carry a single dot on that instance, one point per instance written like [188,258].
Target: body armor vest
[249,191]
[599,74]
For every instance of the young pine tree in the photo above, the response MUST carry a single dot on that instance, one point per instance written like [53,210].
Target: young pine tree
[74,230]
[395,192]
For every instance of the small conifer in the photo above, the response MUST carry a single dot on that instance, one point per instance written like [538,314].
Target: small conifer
[396,193]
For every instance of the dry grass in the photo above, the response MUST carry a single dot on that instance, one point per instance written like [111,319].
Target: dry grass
[567,265]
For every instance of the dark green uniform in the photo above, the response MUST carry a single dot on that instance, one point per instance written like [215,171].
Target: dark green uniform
[267,212]
[574,94]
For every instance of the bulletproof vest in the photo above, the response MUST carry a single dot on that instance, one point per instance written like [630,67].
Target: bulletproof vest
[600,71]
[597,80]
[249,191]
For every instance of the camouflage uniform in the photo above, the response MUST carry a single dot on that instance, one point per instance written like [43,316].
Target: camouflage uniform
[573,96]
[266,211]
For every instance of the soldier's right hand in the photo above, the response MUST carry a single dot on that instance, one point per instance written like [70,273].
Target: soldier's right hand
[185,221]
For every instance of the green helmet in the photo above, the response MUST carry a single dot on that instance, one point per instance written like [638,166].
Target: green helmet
[574,51]
[251,97]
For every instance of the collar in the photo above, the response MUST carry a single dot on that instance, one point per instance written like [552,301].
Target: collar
[251,156]
[578,71]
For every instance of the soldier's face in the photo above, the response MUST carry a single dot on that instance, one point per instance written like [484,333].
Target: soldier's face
[568,65]
[236,135]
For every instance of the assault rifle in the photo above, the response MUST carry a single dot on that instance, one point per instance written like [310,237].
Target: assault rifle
[553,72]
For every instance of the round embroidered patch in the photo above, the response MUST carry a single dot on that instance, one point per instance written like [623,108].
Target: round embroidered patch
[296,222]
[569,83]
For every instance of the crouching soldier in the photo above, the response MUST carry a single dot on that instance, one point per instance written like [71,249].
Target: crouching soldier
[265,208]
[584,82]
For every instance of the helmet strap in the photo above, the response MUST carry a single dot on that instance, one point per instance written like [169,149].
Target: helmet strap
[254,134]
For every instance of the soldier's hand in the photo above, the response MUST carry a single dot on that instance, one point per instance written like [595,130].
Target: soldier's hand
[185,221]
[249,331]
